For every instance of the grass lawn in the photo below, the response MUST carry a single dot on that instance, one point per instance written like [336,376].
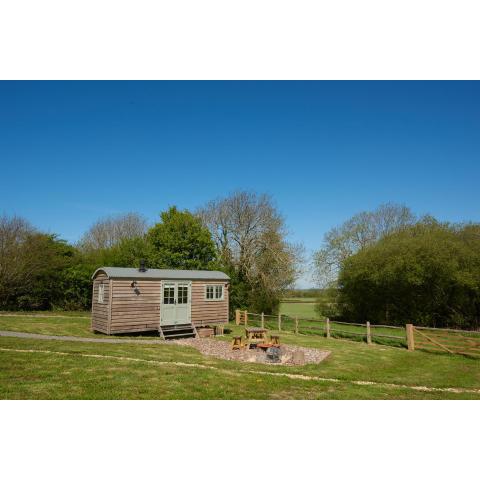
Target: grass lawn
[60,313]
[76,325]
[47,369]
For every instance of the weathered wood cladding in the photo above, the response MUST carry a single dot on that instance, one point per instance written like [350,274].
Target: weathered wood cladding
[128,308]
[135,309]
[208,312]
[100,311]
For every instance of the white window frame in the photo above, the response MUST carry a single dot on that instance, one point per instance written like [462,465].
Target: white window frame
[189,289]
[215,298]
[101,293]
[168,285]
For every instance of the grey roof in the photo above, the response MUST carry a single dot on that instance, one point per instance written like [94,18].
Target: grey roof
[118,272]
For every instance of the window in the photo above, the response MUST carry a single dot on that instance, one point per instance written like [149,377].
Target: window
[182,294]
[101,292]
[169,294]
[209,293]
[214,292]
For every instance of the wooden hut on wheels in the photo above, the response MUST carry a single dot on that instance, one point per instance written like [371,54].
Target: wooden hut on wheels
[174,302]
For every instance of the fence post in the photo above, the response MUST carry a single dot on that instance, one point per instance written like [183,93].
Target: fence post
[246,318]
[296,324]
[369,334]
[237,317]
[279,322]
[263,320]
[327,327]
[410,337]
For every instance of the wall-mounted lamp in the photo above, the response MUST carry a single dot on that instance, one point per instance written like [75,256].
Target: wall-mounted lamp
[134,285]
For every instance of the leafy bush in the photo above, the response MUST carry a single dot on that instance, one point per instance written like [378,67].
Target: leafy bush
[428,274]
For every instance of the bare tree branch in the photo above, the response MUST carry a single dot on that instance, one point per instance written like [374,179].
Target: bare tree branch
[109,231]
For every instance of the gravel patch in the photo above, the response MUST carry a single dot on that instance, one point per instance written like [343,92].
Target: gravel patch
[289,354]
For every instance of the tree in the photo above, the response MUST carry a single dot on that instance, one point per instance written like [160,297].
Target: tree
[250,236]
[14,232]
[110,231]
[360,231]
[180,240]
[75,283]
[126,253]
[428,274]
[47,257]
[31,266]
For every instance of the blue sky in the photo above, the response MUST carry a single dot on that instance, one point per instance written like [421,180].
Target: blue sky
[71,152]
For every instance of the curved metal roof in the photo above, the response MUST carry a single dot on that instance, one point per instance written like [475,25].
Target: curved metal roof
[162,274]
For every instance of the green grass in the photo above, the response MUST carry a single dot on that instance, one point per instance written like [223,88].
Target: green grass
[35,375]
[75,325]
[50,313]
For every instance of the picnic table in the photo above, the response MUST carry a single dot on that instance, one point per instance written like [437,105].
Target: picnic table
[256,335]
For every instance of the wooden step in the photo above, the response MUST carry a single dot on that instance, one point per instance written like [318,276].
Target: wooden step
[173,335]
[175,331]
[187,326]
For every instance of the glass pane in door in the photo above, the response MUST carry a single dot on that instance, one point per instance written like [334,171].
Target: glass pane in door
[182,294]
[169,294]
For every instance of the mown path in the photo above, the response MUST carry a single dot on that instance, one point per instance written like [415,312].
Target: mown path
[39,336]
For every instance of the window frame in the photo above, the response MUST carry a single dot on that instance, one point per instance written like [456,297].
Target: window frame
[101,289]
[170,286]
[183,297]
[214,286]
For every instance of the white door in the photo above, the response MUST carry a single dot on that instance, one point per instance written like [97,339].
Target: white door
[182,311]
[176,303]
[167,310]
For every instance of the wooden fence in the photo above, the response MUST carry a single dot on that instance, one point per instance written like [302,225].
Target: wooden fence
[410,336]
[324,327]
[443,340]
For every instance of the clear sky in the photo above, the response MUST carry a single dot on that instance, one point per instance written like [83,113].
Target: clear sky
[71,152]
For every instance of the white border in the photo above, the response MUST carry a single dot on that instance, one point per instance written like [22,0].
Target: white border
[215,440]
[248,39]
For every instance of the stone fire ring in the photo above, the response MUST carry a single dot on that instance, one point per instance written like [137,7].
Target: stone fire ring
[223,350]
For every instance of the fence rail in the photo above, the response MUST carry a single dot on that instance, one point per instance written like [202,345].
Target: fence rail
[321,327]
[444,340]
[414,338]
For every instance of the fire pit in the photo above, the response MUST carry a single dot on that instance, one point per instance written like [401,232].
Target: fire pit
[273,354]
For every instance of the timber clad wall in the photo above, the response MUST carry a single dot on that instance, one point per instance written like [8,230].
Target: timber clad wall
[206,312]
[100,311]
[132,312]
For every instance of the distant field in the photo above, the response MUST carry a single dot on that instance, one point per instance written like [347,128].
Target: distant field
[303,307]
[299,299]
